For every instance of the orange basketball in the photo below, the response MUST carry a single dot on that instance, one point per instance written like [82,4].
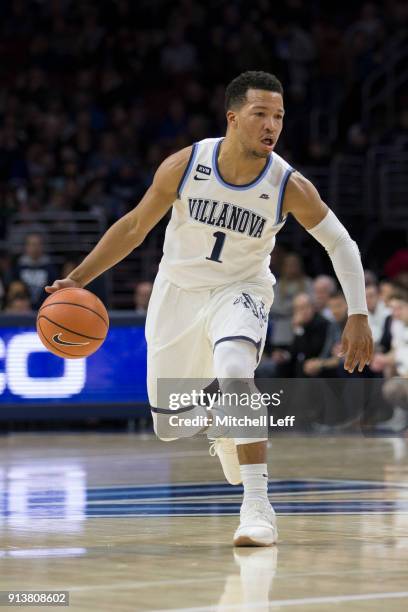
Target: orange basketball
[72,323]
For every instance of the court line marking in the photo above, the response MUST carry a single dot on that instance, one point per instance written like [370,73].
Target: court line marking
[334,481]
[293,602]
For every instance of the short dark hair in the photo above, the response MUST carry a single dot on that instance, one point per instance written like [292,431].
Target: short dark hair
[400,293]
[337,294]
[235,94]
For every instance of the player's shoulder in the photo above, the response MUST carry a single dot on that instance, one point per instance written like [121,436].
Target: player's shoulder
[299,193]
[173,169]
[299,186]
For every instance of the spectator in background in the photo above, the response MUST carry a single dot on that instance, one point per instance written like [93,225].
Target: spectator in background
[141,297]
[291,282]
[370,278]
[324,287]
[394,365]
[18,305]
[377,312]
[395,361]
[5,270]
[34,268]
[328,361]
[310,333]
[16,289]
[386,291]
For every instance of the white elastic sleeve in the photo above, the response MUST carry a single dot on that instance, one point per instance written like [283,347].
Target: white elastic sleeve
[345,257]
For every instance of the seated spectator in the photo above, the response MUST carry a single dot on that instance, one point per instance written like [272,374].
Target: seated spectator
[386,290]
[291,282]
[394,365]
[141,297]
[310,330]
[27,224]
[18,305]
[370,278]
[34,268]
[16,289]
[5,269]
[328,362]
[395,361]
[377,312]
[323,288]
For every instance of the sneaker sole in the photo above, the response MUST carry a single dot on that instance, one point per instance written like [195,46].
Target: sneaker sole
[235,482]
[246,541]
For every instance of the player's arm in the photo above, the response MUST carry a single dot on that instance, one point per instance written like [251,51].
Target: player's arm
[303,201]
[130,231]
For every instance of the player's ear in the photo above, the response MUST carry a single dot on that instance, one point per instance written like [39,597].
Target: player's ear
[232,118]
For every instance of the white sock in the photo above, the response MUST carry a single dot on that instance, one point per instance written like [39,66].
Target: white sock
[255,481]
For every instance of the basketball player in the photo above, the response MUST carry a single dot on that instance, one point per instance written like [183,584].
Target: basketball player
[208,310]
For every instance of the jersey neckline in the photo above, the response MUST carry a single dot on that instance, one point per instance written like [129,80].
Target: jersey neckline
[255,181]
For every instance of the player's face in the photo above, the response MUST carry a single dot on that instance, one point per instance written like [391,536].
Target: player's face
[258,122]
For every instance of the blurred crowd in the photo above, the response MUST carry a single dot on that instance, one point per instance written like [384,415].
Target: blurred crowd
[105,89]
[307,319]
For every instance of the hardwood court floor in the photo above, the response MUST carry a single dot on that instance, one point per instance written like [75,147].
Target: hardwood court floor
[128,523]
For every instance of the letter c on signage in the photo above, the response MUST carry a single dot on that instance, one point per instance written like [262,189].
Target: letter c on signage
[22,384]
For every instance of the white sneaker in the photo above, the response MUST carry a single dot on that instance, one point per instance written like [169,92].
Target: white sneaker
[226,451]
[257,526]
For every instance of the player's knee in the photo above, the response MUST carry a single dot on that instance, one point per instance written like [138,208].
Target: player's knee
[233,369]
[235,360]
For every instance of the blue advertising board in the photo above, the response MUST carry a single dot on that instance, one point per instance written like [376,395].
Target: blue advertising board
[112,378]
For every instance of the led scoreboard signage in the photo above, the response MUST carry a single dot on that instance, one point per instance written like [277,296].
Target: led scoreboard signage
[31,376]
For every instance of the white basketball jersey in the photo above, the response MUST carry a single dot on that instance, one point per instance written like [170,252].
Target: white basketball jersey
[221,233]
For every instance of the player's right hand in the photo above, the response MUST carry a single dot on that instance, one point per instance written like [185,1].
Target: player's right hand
[63,283]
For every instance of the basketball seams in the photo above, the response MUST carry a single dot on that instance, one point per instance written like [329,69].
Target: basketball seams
[71,331]
[79,306]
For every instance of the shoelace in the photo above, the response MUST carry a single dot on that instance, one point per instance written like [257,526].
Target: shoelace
[256,510]
[227,448]
[212,450]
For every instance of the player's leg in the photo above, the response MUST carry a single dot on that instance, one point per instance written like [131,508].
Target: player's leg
[234,365]
[237,329]
[178,351]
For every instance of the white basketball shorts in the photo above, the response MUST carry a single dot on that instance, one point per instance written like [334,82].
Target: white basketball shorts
[183,327]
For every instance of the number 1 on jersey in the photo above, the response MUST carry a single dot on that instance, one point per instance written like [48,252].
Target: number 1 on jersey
[219,243]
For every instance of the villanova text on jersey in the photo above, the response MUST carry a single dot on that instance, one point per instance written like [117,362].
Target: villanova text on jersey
[220,233]
[226,215]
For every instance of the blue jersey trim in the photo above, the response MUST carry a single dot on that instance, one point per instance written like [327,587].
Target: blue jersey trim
[187,170]
[257,180]
[246,338]
[282,190]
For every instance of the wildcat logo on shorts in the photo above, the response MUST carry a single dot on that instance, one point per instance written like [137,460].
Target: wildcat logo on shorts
[257,307]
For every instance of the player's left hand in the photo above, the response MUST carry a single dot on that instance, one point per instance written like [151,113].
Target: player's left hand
[356,343]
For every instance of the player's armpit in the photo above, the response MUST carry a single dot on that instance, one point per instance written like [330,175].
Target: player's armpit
[161,194]
[303,201]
